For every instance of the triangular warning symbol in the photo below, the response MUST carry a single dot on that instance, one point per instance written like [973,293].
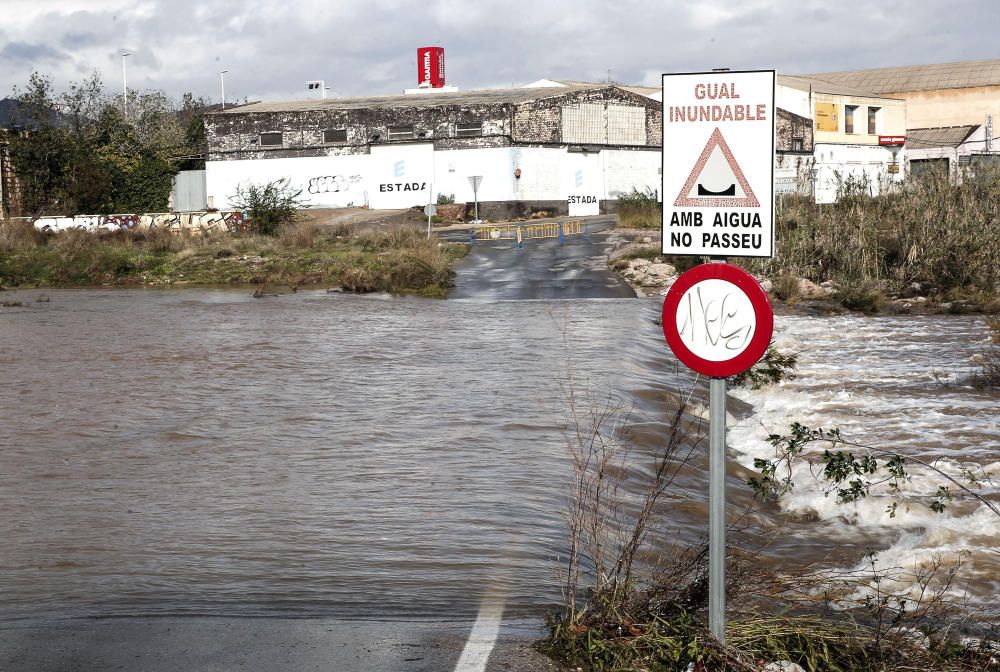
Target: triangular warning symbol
[717,180]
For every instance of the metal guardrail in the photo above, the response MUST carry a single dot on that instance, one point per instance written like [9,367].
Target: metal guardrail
[531,231]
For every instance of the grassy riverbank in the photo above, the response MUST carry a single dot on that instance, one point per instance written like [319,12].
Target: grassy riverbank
[401,260]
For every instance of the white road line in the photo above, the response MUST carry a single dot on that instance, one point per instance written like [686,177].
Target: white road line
[483,636]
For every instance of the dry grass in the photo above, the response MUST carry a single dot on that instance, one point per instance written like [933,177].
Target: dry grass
[400,260]
[926,230]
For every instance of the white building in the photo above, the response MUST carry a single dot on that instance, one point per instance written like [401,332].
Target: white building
[857,136]
[569,150]
[950,148]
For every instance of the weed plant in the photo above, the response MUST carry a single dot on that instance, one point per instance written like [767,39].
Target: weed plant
[988,361]
[639,209]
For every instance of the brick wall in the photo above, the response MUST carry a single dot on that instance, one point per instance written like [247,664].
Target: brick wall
[234,135]
[788,127]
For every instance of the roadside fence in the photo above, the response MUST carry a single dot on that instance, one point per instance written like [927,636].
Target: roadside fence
[518,233]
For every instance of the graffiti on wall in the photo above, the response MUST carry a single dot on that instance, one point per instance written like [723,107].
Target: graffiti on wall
[226,221]
[332,184]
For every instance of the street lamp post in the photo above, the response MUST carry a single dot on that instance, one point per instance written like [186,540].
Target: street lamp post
[125,84]
[222,80]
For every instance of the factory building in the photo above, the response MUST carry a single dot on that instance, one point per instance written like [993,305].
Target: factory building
[936,95]
[948,149]
[857,135]
[569,151]
[553,146]
[951,109]
[572,147]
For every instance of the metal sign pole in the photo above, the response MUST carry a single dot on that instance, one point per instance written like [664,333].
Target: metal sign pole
[430,210]
[717,509]
[474,181]
[717,503]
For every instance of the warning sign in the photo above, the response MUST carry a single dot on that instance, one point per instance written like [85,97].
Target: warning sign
[717,180]
[718,164]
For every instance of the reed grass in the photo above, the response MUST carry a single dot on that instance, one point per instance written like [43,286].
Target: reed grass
[639,210]
[929,230]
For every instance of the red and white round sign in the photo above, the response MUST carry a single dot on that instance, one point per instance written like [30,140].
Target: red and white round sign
[717,320]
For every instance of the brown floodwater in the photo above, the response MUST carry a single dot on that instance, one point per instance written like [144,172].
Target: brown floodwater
[199,451]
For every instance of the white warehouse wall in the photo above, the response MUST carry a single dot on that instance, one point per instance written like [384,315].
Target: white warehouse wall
[835,163]
[792,100]
[401,176]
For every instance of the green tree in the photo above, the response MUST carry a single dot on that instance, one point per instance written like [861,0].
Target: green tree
[77,153]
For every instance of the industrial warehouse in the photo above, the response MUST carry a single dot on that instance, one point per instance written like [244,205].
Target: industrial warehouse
[546,149]
[564,147]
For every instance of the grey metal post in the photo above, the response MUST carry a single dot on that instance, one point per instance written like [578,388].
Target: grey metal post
[717,503]
[717,509]
[475,195]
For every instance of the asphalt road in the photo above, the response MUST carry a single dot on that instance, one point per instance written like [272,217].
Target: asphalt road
[212,644]
[543,269]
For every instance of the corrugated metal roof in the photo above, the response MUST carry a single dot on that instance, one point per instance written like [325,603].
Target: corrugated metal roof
[803,83]
[482,97]
[942,136]
[965,74]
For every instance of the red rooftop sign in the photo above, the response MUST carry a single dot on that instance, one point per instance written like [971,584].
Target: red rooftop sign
[892,139]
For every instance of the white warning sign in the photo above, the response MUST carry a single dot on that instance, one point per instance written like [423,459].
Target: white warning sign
[718,164]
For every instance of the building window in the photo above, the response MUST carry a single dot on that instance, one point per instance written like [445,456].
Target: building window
[337,135]
[469,129]
[401,132]
[603,124]
[849,111]
[796,144]
[872,116]
[270,139]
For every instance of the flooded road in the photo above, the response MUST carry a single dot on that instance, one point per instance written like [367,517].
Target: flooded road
[202,452]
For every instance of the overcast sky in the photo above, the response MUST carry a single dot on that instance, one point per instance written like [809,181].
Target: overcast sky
[368,47]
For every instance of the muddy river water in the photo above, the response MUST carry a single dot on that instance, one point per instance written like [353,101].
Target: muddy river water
[203,452]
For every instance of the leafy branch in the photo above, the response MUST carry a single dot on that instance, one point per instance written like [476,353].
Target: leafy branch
[852,477]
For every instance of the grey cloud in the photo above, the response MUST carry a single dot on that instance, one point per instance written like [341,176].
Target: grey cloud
[271,49]
[29,52]
[77,40]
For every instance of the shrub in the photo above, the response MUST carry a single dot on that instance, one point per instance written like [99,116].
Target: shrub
[988,374]
[446,199]
[774,367]
[268,206]
[639,209]
[863,295]
[786,287]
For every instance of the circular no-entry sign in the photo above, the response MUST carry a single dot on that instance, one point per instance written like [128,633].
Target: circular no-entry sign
[717,320]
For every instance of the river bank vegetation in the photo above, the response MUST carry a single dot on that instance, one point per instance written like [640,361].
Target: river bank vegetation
[633,601]
[300,254]
[929,239]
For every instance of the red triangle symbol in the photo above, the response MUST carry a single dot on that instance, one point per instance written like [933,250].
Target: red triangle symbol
[727,177]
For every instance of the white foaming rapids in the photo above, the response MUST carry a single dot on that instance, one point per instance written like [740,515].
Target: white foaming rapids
[894,384]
